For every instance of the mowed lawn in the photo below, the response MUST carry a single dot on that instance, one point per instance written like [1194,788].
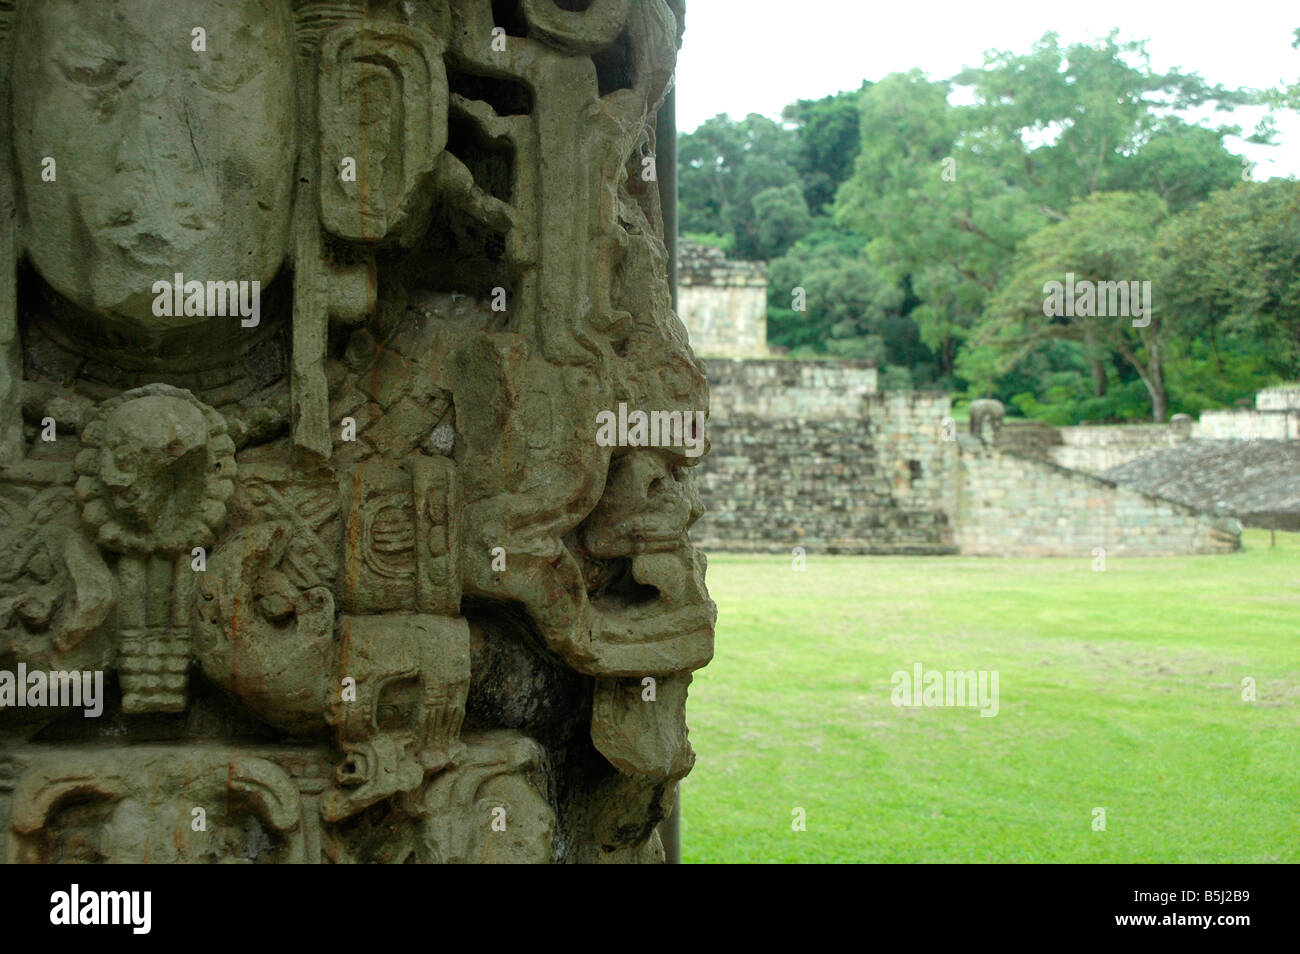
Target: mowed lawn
[1120,690]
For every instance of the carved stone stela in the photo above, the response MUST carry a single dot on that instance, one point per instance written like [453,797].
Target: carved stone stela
[307,313]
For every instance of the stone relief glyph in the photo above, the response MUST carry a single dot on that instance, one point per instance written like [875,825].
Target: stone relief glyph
[307,313]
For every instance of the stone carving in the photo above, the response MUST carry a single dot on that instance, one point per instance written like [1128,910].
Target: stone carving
[156,472]
[305,325]
[131,806]
[986,416]
[57,599]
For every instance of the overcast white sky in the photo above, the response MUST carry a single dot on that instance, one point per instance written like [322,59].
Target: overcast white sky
[755,56]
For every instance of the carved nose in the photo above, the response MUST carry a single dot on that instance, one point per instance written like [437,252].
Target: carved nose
[117,480]
[156,137]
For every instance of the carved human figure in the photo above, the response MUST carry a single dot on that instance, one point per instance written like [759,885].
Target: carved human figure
[168,158]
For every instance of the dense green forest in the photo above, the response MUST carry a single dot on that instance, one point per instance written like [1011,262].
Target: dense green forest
[923,234]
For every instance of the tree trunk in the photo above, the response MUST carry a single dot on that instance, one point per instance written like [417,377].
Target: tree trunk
[1098,377]
[1096,363]
[1152,374]
[1158,404]
[1155,382]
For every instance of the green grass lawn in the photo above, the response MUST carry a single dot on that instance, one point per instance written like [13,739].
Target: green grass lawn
[1119,689]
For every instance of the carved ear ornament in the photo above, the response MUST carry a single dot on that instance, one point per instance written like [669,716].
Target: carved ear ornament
[383,102]
[120,440]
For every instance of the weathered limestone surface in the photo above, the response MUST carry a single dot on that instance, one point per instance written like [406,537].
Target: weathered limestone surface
[722,302]
[1011,505]
[365,585]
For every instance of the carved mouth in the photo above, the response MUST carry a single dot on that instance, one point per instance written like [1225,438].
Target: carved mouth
[654,615]
[147,248]
[157,247]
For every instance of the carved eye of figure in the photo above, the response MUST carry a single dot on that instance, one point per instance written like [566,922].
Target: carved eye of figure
[275,608]
[100,72]
[35,609]
[224,72]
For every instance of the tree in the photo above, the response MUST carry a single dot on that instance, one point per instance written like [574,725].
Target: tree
[723,166]
[1062,120]
[908,220]
[1225,277]
[946,195]
[1181,163]
[781,219]
[935,213]
[1289,96]
[1230,268]
[852,310]
[829,140]
[1105,238]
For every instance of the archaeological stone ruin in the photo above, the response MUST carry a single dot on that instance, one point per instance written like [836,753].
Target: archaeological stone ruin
[722,302]
[813,454]
[307,311]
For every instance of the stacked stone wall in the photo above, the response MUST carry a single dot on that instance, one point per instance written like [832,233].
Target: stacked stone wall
[1093,449]
[778,389]
[1248,425]
[723,303]
[810,454]
[916,446]
[1012,505]
[772,485]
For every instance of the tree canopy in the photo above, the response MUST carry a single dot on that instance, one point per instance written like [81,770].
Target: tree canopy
[923,218]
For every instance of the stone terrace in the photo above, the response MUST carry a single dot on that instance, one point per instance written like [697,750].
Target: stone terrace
[1258,482]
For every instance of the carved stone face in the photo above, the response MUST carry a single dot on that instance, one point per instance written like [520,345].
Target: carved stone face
[154,458]
[137,831]
[140,807]
[167,158]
